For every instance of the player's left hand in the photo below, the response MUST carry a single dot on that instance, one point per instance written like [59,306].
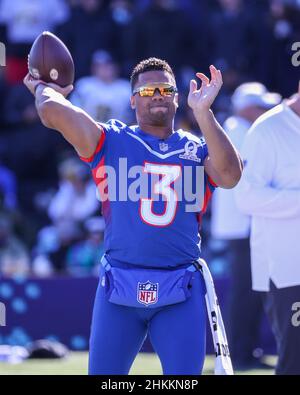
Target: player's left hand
[202,99]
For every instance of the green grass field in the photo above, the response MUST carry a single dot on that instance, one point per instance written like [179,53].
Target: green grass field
[76,363]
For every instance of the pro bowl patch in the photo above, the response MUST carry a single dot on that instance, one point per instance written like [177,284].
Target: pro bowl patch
[147,293]
[190,151]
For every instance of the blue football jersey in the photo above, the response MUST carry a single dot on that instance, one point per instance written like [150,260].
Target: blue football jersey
[154,192]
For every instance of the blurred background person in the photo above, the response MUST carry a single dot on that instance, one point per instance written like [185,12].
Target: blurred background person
[88,28]
[163,30]
[25,137]
[22,22]
[70,206]
[269,191]
[231,42]
[8,189]
[49,255]
[83,258]
[122,14]
[249,101]
[14,256]
[75,200]
[103,95]
[279,30]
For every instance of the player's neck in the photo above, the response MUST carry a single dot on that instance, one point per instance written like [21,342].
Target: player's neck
[162,132]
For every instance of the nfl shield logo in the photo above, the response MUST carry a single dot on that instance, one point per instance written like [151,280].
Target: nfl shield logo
[163,147]
[147,293]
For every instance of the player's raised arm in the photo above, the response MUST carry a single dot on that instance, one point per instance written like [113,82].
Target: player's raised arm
[223,164]
[50,79]
[56,112]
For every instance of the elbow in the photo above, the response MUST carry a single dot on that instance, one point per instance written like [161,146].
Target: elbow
[236,174]
[231,178]
[234,179]
[231,174]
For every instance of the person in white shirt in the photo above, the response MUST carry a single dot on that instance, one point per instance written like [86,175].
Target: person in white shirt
[249,101]
[103,95]
[25,20]
[269,191]
[76,198]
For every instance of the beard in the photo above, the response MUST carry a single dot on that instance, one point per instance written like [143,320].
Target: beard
[159,115]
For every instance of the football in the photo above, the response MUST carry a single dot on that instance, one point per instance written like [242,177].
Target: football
[50,60]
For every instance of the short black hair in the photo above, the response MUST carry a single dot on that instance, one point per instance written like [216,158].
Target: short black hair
[150,64]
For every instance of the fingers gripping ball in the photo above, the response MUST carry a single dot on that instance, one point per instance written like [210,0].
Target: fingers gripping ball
[50,60]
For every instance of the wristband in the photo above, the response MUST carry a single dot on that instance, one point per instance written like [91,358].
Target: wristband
[35,88]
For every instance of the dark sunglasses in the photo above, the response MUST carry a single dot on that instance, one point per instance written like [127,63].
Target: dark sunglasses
[149,90]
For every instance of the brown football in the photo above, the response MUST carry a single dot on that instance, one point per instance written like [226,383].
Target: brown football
[50,60]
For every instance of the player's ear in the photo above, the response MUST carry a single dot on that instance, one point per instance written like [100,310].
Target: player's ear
[132,102]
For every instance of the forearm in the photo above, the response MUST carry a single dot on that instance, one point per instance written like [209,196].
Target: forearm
[223,156]
[76,126]
[56,112]
[48,102]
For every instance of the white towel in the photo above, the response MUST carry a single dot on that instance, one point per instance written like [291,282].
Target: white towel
[223,365]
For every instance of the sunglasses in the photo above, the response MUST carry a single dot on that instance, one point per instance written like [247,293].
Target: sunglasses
[149,90]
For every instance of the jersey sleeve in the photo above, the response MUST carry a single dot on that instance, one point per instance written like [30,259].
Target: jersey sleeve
[109,132]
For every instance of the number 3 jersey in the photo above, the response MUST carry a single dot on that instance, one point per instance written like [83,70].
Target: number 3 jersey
[153,192]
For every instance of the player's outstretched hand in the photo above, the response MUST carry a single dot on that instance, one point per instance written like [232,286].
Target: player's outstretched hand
[202,99]
[32,83]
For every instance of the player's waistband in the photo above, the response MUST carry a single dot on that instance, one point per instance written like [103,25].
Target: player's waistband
[107,260]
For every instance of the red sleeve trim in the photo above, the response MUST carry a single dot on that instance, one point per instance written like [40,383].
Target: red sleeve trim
[98,148]
[211,182]
[207,197]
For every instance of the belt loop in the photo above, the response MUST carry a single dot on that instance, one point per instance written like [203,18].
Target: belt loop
[191,268]
[197,265]
[105,263]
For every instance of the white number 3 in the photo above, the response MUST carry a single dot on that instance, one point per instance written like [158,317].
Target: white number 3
[163,187]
